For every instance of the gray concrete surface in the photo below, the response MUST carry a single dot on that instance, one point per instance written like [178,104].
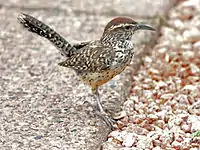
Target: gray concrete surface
[41,104]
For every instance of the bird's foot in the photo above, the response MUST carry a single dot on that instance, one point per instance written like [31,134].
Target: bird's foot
[110,122]
[107,119]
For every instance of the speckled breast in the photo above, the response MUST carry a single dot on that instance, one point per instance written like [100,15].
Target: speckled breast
[96,79]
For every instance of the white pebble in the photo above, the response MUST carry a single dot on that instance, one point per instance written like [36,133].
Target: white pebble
[129,140]
[196,45]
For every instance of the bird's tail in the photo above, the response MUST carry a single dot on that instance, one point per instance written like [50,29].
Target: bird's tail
[36,26]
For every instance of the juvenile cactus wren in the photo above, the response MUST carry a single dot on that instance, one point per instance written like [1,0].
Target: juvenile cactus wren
[95,62]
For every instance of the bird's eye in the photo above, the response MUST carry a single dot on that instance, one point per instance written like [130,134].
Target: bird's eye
[127,27]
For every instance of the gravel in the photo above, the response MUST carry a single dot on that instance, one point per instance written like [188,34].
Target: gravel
[163,111]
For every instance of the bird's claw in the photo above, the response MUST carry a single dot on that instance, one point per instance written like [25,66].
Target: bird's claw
[110,122]
[107,119]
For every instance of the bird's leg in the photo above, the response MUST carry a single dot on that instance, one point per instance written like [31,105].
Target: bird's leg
[108,120]
[99,104]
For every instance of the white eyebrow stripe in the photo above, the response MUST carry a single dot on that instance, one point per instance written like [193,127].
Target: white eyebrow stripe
[116,26]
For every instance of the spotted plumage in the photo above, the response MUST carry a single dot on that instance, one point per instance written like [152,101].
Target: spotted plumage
[96,62]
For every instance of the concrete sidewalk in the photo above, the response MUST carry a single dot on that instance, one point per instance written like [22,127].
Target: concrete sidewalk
[42,103]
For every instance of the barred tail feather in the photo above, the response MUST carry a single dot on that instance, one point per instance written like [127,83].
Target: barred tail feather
[36,26]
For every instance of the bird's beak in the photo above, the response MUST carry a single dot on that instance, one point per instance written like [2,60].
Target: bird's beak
[144,27]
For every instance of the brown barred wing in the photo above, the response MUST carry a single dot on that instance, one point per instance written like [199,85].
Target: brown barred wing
[91,59]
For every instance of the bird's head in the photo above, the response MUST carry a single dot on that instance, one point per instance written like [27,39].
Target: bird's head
[123,27]
[125,24]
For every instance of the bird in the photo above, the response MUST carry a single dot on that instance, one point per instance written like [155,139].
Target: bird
[97,61]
